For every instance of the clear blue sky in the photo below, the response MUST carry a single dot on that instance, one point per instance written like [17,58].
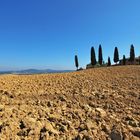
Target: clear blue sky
[48,33]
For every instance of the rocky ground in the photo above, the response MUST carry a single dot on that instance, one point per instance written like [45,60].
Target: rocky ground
[96,104]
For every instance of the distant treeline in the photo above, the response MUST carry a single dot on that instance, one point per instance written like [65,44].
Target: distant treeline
[132,60]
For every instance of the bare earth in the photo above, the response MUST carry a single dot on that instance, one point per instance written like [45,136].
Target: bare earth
[96,104]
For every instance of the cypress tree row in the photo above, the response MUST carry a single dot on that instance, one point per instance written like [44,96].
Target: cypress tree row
[109,62]
[124,60]
[116,58]
[116,55]
[132,54]
[100,57]
[76,62]
[93,57]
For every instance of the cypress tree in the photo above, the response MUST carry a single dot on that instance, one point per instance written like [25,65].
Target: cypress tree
[76,62]
[93,57]
[124,60]
[109,62]
[100,57]
[132,54]
[116,55]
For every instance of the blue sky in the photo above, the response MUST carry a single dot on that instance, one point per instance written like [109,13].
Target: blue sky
[48,33]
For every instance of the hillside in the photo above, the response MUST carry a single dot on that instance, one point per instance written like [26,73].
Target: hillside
[34,71]
[101,103]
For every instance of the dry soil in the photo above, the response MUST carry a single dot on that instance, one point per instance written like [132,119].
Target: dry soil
[95,104]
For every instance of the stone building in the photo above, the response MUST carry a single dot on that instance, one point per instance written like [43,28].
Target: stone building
[128,62]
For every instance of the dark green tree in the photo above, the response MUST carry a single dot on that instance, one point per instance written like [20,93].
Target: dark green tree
[76,62]
[93,57]
[109,62]
[124,60]
[132,54]
[139,60]
[100,55]
[116,55]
